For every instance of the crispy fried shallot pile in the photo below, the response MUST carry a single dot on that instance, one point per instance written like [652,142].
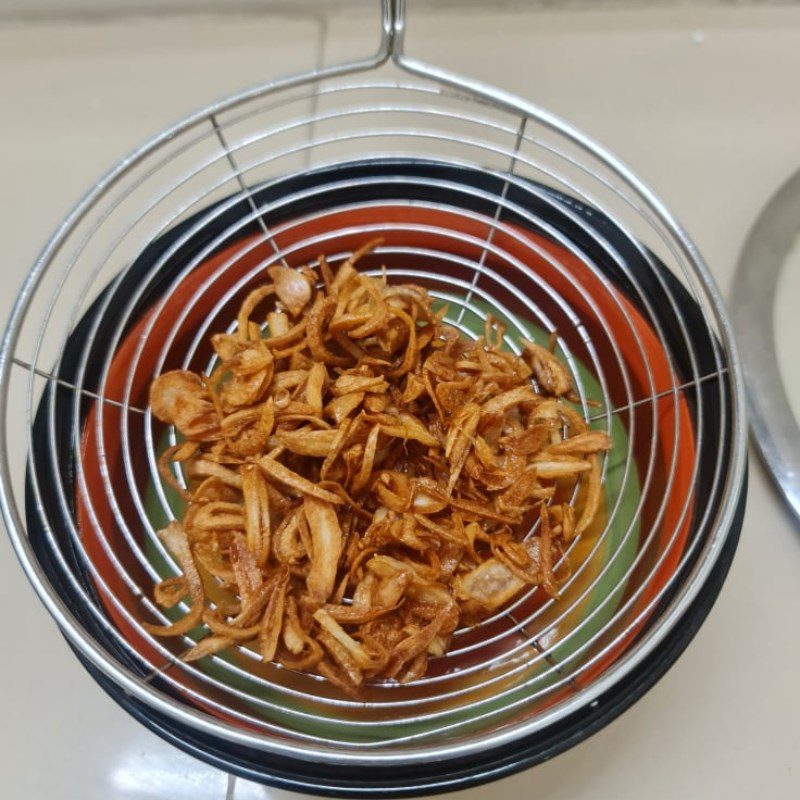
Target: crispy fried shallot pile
[362,479]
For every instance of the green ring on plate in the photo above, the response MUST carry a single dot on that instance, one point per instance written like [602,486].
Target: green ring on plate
[615,555]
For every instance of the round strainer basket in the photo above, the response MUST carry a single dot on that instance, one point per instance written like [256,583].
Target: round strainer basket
[493,205]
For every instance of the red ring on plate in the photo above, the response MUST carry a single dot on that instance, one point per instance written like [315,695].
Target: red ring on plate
[620,314]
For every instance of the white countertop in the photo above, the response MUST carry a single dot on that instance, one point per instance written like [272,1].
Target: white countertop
[703,103]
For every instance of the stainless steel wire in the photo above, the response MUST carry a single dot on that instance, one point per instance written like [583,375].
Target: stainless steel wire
[521,669]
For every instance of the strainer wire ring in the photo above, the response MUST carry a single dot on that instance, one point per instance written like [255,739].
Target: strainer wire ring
[317,241]
[200,291]
[157,369]
[396,273]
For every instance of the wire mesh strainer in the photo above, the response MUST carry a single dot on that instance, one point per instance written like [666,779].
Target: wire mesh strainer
[494,205]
